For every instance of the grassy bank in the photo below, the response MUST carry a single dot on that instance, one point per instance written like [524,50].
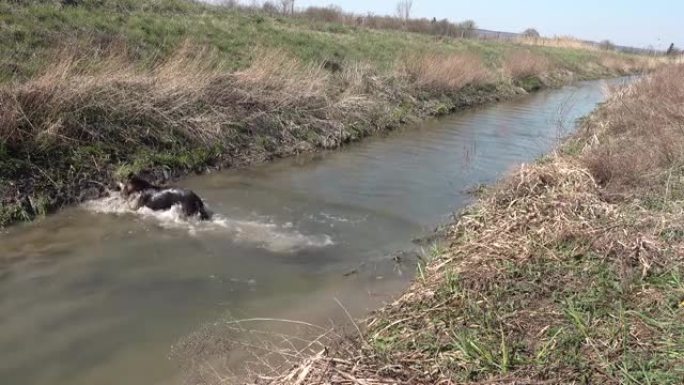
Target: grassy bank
[93,91]
[568,271]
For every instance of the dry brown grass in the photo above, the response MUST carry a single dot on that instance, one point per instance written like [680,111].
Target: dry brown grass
[523,64]
[558,42]
[642,143]
[110,112]
[482,315]
[630,64]
[94,113]
[275,74]
[55,106]
[616,62]
[189,97]
[545,280]
[446,73]
[75,126]
[186,95]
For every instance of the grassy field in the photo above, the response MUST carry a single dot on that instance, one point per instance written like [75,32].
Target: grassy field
[90,92]
[569,271]
[152,30]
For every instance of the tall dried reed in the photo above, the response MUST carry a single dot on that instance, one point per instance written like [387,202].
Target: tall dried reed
[522,64]
[446,73]
[558,42]
[186,96]
[642,142]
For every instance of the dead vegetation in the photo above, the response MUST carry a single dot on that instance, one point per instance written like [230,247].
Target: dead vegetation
[642,145]
[568,271]
[96,112]
[447,73]
[558,42]
[401,22]
[522,64]
[183,97]
[71,128]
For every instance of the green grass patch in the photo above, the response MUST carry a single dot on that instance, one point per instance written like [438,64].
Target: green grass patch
[152,29]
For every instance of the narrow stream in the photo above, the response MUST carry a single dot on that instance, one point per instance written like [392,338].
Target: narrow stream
[99,295]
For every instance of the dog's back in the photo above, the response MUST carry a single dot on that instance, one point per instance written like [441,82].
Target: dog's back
[135,184]
[158,198]
[164,199]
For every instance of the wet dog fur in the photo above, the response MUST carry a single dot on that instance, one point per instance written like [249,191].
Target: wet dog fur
[162,198]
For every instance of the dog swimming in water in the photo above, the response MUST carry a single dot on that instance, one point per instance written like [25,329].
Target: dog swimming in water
[163,198]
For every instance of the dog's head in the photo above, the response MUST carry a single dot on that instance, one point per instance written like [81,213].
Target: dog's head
[134,184]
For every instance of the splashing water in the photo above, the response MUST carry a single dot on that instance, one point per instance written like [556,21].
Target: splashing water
[270,236]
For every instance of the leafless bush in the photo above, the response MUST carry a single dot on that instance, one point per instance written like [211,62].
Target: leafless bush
[673,51]
[229,3]
[335,14]
[269,8]
[329,14]
[404,9]
[607,45]
[531,33]
[287,7]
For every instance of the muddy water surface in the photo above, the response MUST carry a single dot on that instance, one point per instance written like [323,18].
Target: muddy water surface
[99,294]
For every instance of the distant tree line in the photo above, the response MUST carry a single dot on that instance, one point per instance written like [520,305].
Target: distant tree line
[400,21]
[334,14]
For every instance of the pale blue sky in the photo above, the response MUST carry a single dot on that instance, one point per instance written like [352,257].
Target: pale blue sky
[626,22]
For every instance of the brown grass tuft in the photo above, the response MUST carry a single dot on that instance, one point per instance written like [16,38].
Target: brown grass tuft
[186,94]
[446,73]
[632,64]
[90,115]
[558,42]
[636,140]
[523,64]
[524,294]
[77,99]
[283,80]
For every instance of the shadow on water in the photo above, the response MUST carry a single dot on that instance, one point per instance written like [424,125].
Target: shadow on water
[99,294]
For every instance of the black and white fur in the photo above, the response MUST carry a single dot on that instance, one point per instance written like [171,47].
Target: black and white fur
[161,198]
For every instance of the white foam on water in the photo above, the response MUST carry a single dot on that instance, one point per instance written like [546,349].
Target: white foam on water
[341,219]
[270,236]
